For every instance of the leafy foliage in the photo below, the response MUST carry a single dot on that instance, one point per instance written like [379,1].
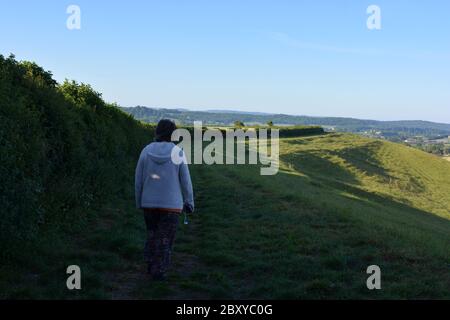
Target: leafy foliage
[62,149]
[239,124]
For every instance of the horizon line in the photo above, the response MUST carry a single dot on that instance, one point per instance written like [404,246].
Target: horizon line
[260,113]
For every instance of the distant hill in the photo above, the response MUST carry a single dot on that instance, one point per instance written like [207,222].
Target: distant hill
[239,112]
[390,129]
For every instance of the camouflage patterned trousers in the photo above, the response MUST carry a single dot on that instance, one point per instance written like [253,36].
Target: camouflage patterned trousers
[161,229]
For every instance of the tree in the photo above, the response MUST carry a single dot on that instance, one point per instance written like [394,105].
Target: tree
[82,94]
[239,124]
[447,149]
[270,123]
[37,73]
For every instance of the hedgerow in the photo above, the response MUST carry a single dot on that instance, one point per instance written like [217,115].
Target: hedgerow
[63,150]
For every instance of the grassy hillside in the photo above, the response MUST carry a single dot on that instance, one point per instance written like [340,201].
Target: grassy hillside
[340,204]
[384,169]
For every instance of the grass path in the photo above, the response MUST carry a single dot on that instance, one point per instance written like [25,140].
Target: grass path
[132,282]
[108,247]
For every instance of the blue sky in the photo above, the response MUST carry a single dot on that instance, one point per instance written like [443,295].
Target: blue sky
[295,57]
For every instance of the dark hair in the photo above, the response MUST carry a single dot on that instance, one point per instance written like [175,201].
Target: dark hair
[164,130]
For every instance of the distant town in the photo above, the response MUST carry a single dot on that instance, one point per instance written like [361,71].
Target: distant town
[438,145]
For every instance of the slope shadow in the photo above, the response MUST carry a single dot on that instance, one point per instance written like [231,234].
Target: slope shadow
[310,164]
[363,158]
[346,184]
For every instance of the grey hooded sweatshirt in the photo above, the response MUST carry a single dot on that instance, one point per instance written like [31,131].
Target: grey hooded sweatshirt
[161,182]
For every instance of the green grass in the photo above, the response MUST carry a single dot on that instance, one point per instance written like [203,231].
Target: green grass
[339,204]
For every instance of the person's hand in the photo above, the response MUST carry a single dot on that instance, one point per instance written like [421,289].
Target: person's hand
[188,208]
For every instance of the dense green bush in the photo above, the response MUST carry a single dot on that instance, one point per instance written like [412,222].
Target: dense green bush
[62,150]
[284,132]
[299,131]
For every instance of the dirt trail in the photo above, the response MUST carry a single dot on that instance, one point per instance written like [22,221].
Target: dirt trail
[135,284]
[126,283]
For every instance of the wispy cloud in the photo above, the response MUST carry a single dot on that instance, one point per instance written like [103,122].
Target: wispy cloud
[287,40]
[292,42]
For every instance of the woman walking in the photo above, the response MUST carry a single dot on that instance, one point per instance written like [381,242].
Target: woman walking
[163,189]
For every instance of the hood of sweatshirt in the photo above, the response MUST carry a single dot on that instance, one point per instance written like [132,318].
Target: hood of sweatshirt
[160,152]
